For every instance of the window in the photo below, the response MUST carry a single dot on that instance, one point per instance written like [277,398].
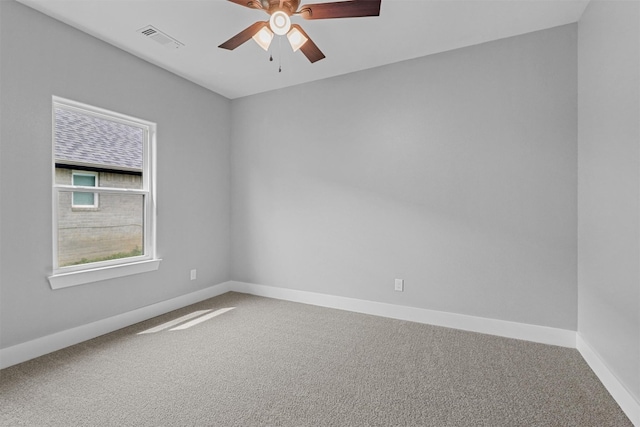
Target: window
[103,194]
[84,179]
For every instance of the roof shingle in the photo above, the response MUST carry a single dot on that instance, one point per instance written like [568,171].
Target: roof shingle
[87,139]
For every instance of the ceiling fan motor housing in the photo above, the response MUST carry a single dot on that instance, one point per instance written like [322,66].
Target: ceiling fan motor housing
[287,6]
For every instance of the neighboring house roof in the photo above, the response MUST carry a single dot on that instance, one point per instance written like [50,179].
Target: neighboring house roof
[82,139]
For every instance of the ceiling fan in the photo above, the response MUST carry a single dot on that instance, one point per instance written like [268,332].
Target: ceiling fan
[279,23]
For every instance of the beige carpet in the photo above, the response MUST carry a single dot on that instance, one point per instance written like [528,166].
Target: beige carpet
[270,362]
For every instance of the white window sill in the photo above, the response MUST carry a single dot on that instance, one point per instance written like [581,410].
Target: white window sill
[75,278]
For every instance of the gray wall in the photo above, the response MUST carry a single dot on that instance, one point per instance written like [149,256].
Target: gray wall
[42,57]
[609,186]
[456,172]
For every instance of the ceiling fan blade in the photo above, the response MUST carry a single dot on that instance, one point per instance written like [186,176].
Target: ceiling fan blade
[309,49]
[243,35]
[341,9]
[252,4]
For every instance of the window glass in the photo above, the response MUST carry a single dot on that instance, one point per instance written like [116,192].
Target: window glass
[81,199]
[111,153]
[113,232]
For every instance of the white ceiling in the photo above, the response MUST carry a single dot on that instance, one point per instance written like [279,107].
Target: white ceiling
[405,29]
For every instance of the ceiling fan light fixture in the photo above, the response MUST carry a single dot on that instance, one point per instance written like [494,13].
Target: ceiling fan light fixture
[296,39]
[280,23]
[263,37]
[280,12]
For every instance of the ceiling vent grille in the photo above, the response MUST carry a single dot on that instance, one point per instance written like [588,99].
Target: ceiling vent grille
[159,37]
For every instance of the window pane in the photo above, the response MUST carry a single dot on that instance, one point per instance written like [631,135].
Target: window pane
[85,180]
[93,143]
[83,199]
[114,231]
[101,151]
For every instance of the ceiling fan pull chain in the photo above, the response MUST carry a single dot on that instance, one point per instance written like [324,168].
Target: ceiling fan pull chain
[279,54]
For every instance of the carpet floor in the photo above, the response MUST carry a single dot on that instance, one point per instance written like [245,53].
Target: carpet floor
[268,362]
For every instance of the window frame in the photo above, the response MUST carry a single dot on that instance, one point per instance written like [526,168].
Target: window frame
[63,277]
[96,175]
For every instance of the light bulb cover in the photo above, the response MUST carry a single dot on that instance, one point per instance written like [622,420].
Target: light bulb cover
[296,39]
[263,37]
[280,23]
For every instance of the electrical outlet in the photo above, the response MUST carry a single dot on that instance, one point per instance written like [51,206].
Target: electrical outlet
[399,285]
[193,274]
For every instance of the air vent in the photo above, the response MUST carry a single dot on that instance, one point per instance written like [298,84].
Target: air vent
[159,37]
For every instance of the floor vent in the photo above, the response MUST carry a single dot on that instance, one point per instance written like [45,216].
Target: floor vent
[159,37]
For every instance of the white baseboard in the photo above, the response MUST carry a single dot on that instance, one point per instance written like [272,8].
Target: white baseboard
[561,337]
[31,349]
[540,334]
[503,328]
[618,391]
[25,351]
